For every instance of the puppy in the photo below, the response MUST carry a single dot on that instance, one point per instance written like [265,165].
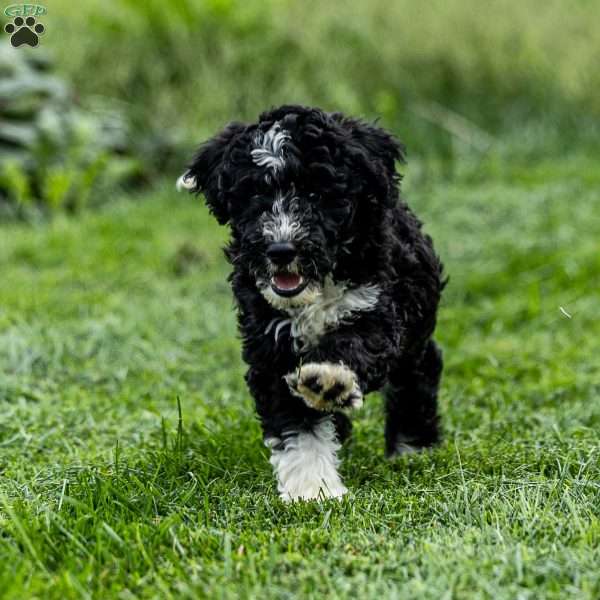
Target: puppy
[336,285]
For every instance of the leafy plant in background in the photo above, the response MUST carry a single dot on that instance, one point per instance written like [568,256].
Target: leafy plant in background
[54,154]
[459,82]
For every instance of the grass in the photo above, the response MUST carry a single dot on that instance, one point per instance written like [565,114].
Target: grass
[108,491]
[131,463]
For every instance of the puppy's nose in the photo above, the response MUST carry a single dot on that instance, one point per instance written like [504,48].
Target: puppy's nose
[281,253]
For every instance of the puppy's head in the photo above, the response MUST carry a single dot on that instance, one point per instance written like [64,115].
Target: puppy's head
[302,190]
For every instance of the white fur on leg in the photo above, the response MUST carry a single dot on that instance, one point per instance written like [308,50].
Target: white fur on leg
[306,468]
[403,446]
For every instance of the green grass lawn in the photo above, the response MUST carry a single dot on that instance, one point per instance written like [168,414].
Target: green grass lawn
[106,321]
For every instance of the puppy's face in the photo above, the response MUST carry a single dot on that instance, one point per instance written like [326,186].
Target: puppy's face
[297,189]
[290,240]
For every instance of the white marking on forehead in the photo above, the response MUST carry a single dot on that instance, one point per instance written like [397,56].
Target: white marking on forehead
[282,226]
[335,305]
[270,146]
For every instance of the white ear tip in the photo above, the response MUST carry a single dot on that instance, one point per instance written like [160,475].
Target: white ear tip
[185,182]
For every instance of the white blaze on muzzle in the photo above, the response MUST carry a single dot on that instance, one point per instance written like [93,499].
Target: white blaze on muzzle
[282,226]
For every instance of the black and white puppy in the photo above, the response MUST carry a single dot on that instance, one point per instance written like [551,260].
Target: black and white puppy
[336,285]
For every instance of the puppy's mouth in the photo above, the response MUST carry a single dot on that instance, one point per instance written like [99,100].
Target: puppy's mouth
[287,284]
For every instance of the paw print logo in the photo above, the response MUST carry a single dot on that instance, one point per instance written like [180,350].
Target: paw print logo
[24,31]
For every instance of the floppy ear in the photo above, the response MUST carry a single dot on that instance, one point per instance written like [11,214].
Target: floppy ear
[379,151]
[380,143]
[205,172]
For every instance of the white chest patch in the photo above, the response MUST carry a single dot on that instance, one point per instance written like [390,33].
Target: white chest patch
[335,305]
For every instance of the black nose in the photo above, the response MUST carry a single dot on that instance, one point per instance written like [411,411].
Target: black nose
[281,253]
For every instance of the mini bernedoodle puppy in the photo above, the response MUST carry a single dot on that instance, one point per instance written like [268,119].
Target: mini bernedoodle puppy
[336,285]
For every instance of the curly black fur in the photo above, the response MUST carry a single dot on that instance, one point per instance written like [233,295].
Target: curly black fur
[335,178]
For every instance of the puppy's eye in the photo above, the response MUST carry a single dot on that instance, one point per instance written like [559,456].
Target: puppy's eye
[262,203]
[254,206]
[339,211]
[260,199]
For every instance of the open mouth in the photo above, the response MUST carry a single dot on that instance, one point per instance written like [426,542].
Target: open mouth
[287,284]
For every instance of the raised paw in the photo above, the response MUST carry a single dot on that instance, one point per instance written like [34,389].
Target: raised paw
[326,386]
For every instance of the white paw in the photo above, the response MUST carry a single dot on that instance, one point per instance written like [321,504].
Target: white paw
[308,487]
[318,492]
[402,449]
[403,446]
[306,467]
[326,386]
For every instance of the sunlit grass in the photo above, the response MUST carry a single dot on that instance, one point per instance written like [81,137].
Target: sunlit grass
[105,493]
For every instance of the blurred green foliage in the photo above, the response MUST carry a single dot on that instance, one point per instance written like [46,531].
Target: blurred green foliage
[53,154]
[189,66]
[455,79]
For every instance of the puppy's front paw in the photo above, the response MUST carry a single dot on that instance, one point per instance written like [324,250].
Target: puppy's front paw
[306,462]
[326,386]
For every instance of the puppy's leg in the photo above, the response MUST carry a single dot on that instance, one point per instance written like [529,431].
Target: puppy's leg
[304,443]
[305,463]
[412,421]
[343,426]
[326,386]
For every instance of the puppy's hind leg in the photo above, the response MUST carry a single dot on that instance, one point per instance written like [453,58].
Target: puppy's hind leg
[412,421]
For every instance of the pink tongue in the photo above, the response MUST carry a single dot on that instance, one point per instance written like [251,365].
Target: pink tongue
[287,281]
